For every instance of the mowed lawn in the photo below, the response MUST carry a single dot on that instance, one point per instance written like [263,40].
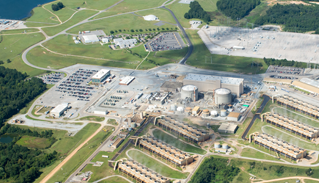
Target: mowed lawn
[63,14]
[176,142]
[89,4]
[11,48]
[19,31]
[126,21]
[131,5]
[221,62]
[247,152]
[155,165]
[33,142]
[162,14]
[41,17]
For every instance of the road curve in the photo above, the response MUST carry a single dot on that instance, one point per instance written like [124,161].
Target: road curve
[190,45]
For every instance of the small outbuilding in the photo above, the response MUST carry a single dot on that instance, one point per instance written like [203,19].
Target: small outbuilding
[150,18]
[233,116]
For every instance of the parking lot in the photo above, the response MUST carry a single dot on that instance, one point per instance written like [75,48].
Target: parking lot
[52,78]
[77,85]
[285,70]
[165,41]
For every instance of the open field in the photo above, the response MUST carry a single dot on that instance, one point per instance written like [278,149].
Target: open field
[63,14]
[114,180]
[19,31]
[220,62]
[33,142]
[78,17]
[128,22]
[41,17]
[176,142]
[296,116]
[80,156]
[155,165]
[93,118]
[129,6]
[11,48]
[247,152]
[112,122]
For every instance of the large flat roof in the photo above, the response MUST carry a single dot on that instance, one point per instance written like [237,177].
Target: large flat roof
[92,38]
[100,74]
[228,127]
[59,108]
[200,77]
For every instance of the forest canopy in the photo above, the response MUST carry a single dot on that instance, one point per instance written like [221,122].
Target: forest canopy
[197,11]
[236,8]
[284,62]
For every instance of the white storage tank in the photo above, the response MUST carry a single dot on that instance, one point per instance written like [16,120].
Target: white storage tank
[225,146]
[214,113]
[180,109]
[173,107]
[223,96]
[189,91]
[216,145]
[223,113]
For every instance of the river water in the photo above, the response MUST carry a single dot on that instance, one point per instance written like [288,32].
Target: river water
[18,9]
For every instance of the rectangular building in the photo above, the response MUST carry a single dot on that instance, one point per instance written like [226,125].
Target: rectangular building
[183,129]
[279,146]
[117,143]
[165,151]
[90,39]
[126,80]
[227,128]
[100,76]
[233,116]
[59,110]
[210,83]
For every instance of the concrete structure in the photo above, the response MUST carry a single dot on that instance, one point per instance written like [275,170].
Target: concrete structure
[164,150]
[123,134]
[214,113]
[59,110]
[100,76]
[126,80]
[223,96]
[227,128]
[139,172]
[105,40]
[117,143]
[182,129]
[90,39]
[225,146]
[223,113]
[124,43]
[291,125]
[216,145]
[233,116]
[171,86]
[210,83]
[150,18]
[279,146]
[297,105]
[189,91]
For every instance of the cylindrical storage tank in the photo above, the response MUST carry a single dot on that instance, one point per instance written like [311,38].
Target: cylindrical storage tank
[188,109]
[223,113]
[213,113]
[205,113]
[180,109]
[216,145]
[189,91]
[225,146]
[223,96]
[133,124]
[173,107]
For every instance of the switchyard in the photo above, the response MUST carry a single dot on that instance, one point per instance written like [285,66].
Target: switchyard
[182,129]
[279,146]
[291,125]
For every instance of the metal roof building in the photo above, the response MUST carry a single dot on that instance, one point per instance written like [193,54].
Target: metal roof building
[227,128]
[150,18]
[90,39]
[100,76]
[209,82]
[125,43]
[59,110]
[126,80]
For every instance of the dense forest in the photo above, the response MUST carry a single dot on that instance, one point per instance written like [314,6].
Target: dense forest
[215,170]
[284,62]
[236,8]
[294,17]
[197,11]
[16,91]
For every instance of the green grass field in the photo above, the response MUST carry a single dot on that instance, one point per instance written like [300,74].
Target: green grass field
[41,17]
[19,31]
[93,118]
[247,152]
[128,22]
[155,165]
[78,17]
[131,5]
[112,122]
[63,14]
[11,48]
[33,142]
[177,143]
[220,62]
[80,156]
[89,4]
[114,180]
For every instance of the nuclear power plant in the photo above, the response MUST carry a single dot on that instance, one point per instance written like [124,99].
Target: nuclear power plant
[223,96]
[189,92]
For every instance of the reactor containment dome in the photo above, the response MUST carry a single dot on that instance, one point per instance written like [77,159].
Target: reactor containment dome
[223,96]
[189,91]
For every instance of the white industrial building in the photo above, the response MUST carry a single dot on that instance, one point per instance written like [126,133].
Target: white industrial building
[100,76]
[90,39]
[105,40]
[126,80]
[59,110]
[211,83]
[125,43]
[150,18]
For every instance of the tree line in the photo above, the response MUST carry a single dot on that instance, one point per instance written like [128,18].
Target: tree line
[215,170]
[16,91]
[294,17]
[196,11]
[141,30]
[237,8]
[58,6]
[284,62]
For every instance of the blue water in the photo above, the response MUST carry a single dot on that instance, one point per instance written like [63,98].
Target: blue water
[18,9]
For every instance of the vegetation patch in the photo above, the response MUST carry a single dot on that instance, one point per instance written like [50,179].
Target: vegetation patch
[196,11]
[284,62]
[237,9]
[93,118]
[34,142]
[112,122]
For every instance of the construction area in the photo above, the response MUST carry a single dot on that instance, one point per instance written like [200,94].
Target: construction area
[259,43]
[164,151]
[291,125]
[139,172]
[279,146]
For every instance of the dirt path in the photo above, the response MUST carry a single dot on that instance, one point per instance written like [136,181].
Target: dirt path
[57,168]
